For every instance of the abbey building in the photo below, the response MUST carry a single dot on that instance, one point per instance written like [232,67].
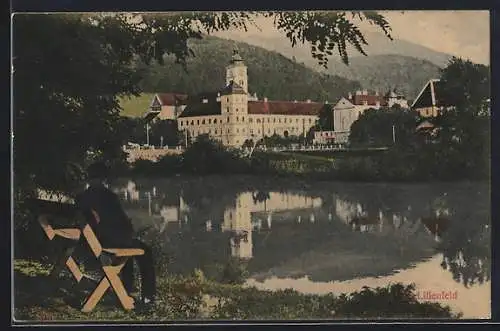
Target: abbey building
[232,115]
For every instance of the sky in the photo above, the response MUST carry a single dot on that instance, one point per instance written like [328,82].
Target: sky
[461,33]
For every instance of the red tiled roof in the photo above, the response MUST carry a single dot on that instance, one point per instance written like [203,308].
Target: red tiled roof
[284,107]
[358,100]
[171,99]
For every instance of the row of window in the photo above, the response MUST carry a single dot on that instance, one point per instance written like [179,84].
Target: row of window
[250,120]
[327,134]
[251,131]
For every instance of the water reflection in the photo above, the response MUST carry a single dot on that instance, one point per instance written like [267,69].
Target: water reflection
[329,232]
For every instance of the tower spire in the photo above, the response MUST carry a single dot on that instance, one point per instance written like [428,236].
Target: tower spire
[236,54]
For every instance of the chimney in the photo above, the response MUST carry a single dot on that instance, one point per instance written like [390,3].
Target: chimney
[265,99]
[349,96]
[326,102]
[358,92]
[205,100]
[294,101]
[376,93]
[308,100]
[365,92]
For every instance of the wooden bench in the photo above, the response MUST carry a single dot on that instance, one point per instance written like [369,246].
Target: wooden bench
[112,261]
[47,210]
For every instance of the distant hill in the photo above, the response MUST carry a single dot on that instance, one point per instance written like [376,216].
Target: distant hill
[389,63]
[270,74]
[383,72]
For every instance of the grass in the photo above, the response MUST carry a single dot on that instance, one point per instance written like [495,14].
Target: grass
[136,106]
[39,298]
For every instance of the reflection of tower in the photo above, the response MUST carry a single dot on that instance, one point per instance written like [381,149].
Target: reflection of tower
[237,220]
[346,211]
[131,189]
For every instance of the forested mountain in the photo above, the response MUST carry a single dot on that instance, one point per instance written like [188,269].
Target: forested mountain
[383,72]
[390,63]
[270,74]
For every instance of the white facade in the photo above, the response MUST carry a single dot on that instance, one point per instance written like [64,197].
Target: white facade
[348,110]
[233,123]
[345,113]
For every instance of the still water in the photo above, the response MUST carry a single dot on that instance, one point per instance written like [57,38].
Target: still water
[321,237]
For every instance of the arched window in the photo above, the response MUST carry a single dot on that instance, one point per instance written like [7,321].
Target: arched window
[250,120]
[237,118]
[237,110]
[215,121]
[274,120]
[268,120]
[202,121]
[243,119]
[228,119]
[237,130]
[209,121]
[198,122]
[192,122]
[227,109]
[258,120]
[215,131]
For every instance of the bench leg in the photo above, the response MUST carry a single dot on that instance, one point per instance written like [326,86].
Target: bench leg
[62,261]
[111,279]
[73,267]
[95,296]
[112,273]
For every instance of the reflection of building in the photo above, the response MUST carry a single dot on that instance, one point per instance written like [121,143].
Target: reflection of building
[238,218]
[130,192]
[346,211]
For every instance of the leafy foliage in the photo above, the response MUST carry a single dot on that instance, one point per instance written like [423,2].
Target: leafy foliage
[375,127]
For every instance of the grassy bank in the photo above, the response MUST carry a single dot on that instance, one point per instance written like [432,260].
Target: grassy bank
[39,298]
[207,157]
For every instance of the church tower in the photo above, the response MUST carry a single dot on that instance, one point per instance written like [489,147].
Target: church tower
[237,71]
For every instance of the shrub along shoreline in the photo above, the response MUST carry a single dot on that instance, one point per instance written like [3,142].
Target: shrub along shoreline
[206,157]
[193,297]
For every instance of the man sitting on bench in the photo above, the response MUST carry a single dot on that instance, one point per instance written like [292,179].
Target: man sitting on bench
[114,229]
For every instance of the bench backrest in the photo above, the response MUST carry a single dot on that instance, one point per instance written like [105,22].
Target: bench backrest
[47,228]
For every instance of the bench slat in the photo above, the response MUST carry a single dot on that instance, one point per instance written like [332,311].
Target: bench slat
[68,233]
[124,251]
